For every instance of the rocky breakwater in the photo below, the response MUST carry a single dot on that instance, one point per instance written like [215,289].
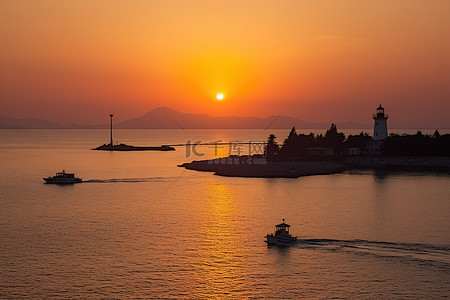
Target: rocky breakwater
[123,147]
[258,166]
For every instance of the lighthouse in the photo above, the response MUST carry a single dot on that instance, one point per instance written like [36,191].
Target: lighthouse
[111,116]
[380,126]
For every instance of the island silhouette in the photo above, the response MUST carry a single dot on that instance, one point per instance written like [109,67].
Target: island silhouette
[333,152]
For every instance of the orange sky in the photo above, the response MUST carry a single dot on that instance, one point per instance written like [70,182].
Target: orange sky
[320,61]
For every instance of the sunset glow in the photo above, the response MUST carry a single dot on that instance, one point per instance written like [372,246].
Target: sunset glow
[327,61]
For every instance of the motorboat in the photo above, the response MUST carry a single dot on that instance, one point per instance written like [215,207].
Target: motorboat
[63,178]
[281,236]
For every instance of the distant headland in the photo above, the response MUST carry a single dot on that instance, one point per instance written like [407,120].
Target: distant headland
[333,152]
[303,155]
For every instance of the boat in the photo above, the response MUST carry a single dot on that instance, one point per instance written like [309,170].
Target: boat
[63,178]
[281,237]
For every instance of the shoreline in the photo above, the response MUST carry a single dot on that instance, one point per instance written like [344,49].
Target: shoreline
[259,167]
[399,163]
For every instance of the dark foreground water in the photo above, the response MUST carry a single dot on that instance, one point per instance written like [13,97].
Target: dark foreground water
[140,227]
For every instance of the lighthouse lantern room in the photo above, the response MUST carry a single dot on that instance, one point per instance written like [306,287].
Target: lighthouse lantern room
[380,126]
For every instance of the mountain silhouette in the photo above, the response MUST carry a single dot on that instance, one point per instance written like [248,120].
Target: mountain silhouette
[165,117]
[168,118]
[28,123]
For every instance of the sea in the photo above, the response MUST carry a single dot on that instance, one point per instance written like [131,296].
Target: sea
[140,227]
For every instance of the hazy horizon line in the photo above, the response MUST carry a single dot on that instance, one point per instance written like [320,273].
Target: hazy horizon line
[167,110]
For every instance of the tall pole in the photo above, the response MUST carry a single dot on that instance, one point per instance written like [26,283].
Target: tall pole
[111,116]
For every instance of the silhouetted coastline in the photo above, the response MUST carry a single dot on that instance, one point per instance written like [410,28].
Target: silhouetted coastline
[335,144]
[399,163]
[303,155]
[257,166]
[292,169]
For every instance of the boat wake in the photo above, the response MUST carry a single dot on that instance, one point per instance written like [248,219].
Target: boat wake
[128,180]
[419,252]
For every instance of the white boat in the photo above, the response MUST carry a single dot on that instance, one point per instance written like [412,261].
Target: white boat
[63,178]
[281,237]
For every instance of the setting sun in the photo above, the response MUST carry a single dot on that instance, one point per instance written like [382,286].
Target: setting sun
[219,96]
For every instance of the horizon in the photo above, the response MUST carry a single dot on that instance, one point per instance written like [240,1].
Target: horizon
[315,125]
[317,62]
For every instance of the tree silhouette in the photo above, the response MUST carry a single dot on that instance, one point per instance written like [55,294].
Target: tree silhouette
[292,134]
[358,141]
[436,134]
[272,147]
[417,144]
[332,139]
[296,145]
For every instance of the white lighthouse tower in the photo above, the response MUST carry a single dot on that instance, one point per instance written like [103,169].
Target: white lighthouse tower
[380,126]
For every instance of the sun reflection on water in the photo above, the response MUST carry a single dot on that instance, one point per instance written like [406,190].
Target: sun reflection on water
[219,265]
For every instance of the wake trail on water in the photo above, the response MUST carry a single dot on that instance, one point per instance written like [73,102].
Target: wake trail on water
[420,252]
[129,180]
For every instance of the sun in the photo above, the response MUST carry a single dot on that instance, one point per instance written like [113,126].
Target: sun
[219,96]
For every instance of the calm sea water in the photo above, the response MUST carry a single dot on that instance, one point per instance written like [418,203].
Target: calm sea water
[141,227]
